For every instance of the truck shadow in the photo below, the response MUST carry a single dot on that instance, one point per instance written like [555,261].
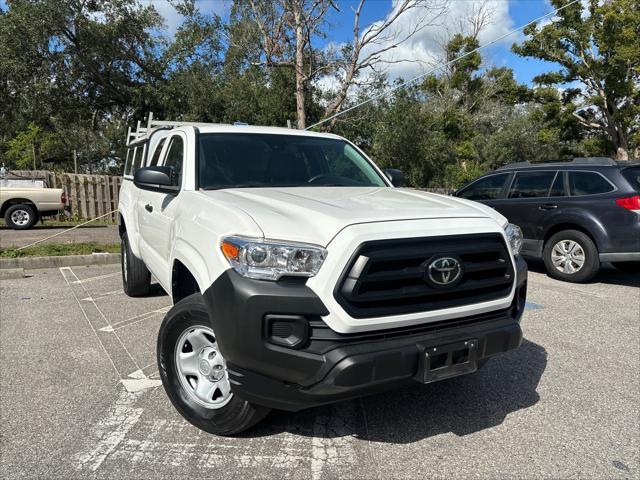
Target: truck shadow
[462,405]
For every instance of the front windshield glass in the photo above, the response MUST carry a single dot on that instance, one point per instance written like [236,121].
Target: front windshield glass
[237,160]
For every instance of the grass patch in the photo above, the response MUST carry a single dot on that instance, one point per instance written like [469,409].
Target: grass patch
[66,223]
[60,249]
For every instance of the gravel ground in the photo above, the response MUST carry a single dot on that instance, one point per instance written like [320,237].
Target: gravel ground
[80,397]
[19,238]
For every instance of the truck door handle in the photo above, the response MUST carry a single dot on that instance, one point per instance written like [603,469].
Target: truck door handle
[148,207]
[548,206]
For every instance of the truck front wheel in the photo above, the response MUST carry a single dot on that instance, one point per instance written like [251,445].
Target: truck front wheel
[21,216]
[136,278]
[194,372]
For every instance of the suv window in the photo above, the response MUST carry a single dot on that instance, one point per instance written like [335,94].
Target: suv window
[531,184]
[128,161]
[157,152]
[488,188]
[633,177]
[557,189]
[175,156]
[588,183]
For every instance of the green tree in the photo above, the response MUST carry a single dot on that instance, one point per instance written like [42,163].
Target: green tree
[598,47]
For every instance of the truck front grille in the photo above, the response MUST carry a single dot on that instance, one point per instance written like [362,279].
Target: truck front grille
[390,277]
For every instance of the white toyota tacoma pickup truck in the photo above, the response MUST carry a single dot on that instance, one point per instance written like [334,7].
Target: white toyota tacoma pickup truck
[301,276]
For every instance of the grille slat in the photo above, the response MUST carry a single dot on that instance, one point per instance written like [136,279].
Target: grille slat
[387,277]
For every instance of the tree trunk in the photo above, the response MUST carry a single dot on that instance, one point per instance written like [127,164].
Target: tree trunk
[300,107]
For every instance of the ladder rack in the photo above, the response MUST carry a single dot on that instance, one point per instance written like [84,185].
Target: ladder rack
[143,133]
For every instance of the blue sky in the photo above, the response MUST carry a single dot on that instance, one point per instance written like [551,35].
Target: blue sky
[507,15]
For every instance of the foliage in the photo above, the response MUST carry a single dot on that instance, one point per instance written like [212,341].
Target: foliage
[598,47]
[60,249]
[74,75]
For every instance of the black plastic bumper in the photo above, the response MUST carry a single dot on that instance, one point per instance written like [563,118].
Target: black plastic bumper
[329,366]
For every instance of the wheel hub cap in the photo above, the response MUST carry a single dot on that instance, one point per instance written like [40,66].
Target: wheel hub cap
[568,256]
[201,368]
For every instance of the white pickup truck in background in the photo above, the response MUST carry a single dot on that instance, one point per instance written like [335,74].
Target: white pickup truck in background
[22,206]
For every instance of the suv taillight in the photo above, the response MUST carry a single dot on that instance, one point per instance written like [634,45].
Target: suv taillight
[63,198]
[630,203]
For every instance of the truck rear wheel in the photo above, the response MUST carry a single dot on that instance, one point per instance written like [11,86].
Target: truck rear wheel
[136,278]
[21,216]
[194,372]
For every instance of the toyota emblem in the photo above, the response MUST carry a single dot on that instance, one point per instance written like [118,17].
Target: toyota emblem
[444,271]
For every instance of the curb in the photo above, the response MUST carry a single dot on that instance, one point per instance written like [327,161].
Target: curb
[59,261]
[11,273]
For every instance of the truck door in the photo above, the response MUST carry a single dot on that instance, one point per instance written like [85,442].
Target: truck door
[156,213]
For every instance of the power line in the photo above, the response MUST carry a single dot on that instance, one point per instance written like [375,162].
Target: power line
[440,67]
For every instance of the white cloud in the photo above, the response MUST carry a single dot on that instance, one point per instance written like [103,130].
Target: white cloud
[424,50]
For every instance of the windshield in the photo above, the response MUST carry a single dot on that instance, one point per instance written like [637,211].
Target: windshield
[237,160]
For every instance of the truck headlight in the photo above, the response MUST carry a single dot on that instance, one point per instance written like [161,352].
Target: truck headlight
[514,235]
[270,260]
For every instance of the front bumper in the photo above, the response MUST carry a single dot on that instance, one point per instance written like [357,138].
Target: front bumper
[331,366]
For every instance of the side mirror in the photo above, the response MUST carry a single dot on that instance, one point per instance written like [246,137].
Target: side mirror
[396,176]
[156,179]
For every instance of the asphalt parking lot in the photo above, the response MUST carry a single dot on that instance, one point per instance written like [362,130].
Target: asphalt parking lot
[80,397]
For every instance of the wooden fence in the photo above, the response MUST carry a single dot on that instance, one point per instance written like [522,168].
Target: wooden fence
[88,196]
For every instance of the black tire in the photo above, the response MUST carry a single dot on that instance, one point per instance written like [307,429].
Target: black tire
[136,278]
[21,216]
[589,250]
[627,267]
[236,415]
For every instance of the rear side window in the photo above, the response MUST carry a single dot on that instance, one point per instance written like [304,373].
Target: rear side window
[588,183]
[128,162]
[157,152]
[633,177]
[487,188]
[137,159]
[175,156]
[531,184]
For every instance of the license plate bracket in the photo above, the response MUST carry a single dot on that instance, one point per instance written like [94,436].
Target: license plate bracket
[445,361]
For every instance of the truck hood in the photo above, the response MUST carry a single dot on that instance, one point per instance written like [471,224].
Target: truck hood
[317,214]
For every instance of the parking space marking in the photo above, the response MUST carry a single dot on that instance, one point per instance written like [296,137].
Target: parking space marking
[139,318]
[104,295]
[129,372]
[111,431]
[532,306]
[91,279]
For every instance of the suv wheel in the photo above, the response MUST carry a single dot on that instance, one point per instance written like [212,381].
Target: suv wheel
[136,278]
[194,372]
[571,256]
[21,216]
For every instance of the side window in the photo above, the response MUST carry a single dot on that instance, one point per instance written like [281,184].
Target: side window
[531,184]
[175,156]
[137,159]
[157,152]
[557,189]
[128,161]
[587,183]
[488,188]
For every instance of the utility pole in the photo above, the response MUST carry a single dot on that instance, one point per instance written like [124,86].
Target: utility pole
[33,151]
[75,161]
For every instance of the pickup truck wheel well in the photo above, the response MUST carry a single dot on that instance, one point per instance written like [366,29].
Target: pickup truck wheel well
[183,283]
[16,201]
[567,226]
[122,228]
